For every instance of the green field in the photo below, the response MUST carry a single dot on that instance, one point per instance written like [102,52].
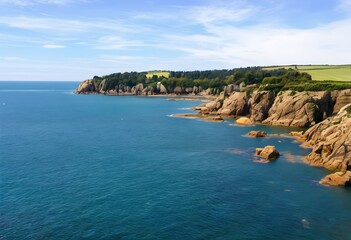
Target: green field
[157,73]
[322,72]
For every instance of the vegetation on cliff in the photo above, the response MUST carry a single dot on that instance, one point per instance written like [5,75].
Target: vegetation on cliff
[275,79]
[214,79]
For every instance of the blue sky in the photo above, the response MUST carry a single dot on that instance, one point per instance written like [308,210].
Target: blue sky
[77,39]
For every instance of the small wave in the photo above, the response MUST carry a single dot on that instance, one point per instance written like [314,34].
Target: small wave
[184,108]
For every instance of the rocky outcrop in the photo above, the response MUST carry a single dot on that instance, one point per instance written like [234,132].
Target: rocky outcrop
[289,108]
[257,134]
[341,98]
[298,109]
[86,87]
[259,105]
[268,152]
[331,142]
[337,179]
[103,87]
[236,104]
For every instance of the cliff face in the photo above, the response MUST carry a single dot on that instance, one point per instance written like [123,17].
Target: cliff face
[295,109]
[87,87]
[301,109]
[331,141]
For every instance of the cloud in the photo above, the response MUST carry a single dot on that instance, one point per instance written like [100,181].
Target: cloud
[344,6]
[58,25]
[24,3]
[116,43]
[215,14]
[53,46]
[11,58]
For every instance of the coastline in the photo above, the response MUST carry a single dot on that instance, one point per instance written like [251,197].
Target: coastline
[339,171]
[286,109]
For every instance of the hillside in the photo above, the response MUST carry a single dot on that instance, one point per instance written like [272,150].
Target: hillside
[321,72]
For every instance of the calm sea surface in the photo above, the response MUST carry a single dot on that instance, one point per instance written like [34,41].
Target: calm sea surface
[107,167]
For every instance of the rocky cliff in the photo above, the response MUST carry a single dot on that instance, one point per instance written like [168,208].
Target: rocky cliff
[331,141]
[88,87]
[288,108]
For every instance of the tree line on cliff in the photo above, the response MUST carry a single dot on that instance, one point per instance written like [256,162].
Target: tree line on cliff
[274,80]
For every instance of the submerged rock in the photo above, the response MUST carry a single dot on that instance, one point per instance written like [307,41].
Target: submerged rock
[268,152]
[257,134]
[337,179]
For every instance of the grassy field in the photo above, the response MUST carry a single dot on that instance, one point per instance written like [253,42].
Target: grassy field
[322,72]
[157,73]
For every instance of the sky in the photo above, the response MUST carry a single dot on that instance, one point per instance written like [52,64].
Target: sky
[74,40]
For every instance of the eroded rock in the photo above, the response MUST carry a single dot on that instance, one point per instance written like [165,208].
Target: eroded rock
[257,134]
[337,179]
[268,152]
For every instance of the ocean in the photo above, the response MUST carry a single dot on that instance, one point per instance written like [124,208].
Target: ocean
[121,167]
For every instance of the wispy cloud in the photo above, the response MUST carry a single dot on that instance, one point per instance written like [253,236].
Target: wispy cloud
[217,14]
[53,46]
[344,6]
[11,58]
[60,25]
[24,3]
[116,43]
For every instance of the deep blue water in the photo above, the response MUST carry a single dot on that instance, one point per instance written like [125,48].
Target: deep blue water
[100,167]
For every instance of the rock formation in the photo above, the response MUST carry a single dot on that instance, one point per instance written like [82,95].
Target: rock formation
[337,179]
[297,109]
[331,141]
[236,104]
[259,105]
[86,87]
[268,152]
[257,134]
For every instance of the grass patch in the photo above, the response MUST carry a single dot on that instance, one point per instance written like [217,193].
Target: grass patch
[158,74]
[321,72]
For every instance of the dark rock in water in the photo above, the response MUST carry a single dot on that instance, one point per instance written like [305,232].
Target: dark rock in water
[268,152]
[257,134]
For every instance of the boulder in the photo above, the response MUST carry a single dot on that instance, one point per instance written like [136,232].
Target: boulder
[257,134]
[268,152]
[244,121]
[337,179]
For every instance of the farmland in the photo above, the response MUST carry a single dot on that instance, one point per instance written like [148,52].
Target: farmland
[322,72]
[158,74]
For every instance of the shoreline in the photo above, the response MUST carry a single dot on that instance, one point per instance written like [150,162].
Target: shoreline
[255,108]
[336,177]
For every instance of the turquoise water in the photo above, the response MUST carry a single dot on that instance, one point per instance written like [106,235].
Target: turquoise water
[100,167]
